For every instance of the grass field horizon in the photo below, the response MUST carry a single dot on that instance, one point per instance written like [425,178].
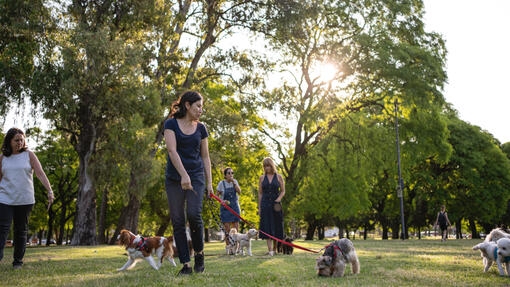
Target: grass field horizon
[411,262]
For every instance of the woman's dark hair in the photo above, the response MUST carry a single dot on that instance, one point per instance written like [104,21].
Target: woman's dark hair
[226,170]
[6,146]
[179,107]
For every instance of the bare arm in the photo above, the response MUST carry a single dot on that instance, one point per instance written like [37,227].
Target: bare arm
[171,146]
[260,190]
[282,188]
[237,187]
[204,153]
[39,172]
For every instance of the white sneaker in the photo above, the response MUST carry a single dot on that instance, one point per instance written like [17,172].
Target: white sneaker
[271,253]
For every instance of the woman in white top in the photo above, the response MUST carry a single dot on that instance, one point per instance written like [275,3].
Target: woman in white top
[17,165]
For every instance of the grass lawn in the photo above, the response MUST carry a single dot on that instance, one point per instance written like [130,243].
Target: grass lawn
[383,263]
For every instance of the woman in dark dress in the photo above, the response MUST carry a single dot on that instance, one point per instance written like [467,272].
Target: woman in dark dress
[271,192]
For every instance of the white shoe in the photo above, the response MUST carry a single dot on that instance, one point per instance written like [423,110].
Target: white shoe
[271,253]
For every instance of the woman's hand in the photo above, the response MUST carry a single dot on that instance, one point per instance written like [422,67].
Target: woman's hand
[186,183]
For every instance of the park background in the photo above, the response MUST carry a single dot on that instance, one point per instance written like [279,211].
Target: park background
[317,85]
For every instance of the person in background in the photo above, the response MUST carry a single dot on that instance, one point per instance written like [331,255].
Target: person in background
[228,190]
[271,192]
[188,176]
[17,196]
[443,222]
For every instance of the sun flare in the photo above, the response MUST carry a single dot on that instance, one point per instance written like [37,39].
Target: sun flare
[325,72]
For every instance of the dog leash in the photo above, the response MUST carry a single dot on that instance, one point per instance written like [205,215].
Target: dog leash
[252,225]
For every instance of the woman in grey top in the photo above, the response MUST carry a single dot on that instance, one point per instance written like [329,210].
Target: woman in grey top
[17,165]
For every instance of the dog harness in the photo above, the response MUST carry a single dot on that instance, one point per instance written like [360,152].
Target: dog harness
[335,249]
[507,258]
[140,245]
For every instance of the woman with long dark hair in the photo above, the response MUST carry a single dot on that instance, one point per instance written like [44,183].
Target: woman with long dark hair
[188,176]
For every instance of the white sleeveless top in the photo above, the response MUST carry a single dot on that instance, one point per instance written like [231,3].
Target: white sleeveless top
[17,184]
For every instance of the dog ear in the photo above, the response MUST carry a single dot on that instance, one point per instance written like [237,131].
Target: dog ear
[329,251]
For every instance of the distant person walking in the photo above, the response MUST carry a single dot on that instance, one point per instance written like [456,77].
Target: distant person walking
[443,222]
[17,196]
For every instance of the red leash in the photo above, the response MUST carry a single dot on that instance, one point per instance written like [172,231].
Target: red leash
[251,225]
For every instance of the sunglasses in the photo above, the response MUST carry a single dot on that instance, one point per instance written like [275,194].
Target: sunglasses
[230,172]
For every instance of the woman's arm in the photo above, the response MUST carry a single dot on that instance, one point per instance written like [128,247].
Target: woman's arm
[39,172]
[171,146]
[204,153]
[282,188]
[260,190]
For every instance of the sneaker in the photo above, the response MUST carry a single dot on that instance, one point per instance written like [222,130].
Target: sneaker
[271,253]
[186,270]
[17,266]
[199,263]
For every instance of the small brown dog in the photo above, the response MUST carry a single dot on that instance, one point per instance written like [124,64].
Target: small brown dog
[336,256]
[139,247]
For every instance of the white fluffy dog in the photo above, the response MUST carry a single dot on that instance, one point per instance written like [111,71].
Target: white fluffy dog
[243,241]
[496,234]
[336,256]
[498,252]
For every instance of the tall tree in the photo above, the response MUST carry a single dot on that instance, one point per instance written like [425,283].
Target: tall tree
[22,24]
[381,52]
[90,76]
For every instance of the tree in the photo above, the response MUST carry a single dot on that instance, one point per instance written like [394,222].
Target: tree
[381,52]
[60,163]
[90,77]
[22,23]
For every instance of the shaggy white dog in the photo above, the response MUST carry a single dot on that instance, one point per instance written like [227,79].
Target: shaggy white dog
[243,240]
[498,252]
[496,234]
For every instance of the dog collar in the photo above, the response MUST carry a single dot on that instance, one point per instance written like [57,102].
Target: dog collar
[507,258]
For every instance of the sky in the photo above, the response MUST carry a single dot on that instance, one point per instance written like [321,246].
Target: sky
[478,43]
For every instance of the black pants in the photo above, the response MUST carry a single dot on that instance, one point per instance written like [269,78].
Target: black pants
[18,214]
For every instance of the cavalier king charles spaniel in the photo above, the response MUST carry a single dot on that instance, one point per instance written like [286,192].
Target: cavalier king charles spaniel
[139,247]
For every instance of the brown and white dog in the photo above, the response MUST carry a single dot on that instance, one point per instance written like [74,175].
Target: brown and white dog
[139,247]
[336,256]
[243,240]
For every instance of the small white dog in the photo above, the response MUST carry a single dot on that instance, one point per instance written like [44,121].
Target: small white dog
[496,234]
[243,241]
[336,256]
[498,252]
[139,247]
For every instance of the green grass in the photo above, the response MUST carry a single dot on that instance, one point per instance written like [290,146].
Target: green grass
[383,263]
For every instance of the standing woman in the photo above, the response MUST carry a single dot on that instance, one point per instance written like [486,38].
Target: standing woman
[17,165]
[188,176]
[228,190]
[271,192]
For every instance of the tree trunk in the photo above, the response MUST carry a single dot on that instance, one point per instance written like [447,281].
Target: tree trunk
[101,232]
[128,217]
[310,230]
[84,232]
[385,230]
